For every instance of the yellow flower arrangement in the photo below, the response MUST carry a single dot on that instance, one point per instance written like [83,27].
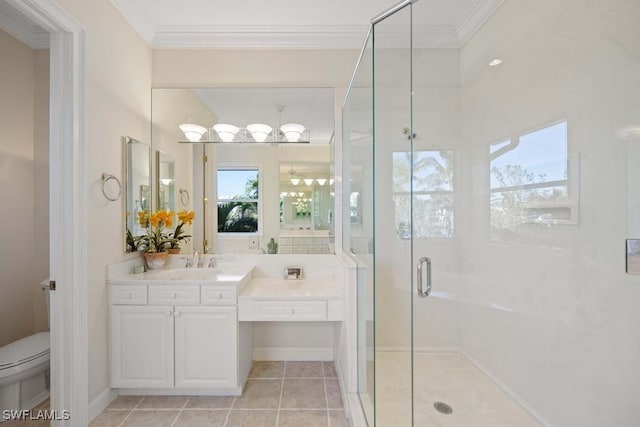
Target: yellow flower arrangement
[185,217]
[156,239]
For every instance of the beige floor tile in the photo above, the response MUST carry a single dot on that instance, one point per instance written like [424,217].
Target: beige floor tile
[267,370]
[125,402]
[151,419]
[209,402]
[303,370]
[303,394]
[201,418]
[329,370]
[303,418]
[334,397]
[162,402]
[259,394]
[243,418]
[339,419]
[109,419]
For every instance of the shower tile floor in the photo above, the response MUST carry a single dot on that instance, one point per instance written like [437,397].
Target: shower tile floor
[277,394]
[450,378]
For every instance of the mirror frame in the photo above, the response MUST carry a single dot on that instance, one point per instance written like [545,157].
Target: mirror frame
[127,143]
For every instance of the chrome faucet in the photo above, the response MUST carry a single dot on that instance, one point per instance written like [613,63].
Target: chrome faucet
[212,262]
[196,258]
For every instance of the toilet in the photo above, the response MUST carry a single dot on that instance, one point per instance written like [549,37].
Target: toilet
[24,369]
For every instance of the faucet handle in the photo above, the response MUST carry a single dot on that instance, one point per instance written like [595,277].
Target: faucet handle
[189,263]
[212,262]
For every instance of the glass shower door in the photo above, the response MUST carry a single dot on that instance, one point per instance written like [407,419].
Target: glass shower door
[393,161]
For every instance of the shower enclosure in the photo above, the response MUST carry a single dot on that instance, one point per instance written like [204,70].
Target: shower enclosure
[492,180]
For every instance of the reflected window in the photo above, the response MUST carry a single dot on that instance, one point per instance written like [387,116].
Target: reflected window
[432,194]
[530,181]
[238,200]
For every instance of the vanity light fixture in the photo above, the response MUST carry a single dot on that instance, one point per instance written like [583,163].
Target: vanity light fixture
[292,131]
[295,181]
[321,181]
[495,62]
[331,181]
[166,181]
[259,131]
[192,131]
[308,181]
[226,132]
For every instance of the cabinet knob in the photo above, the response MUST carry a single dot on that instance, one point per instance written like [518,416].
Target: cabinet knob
[168,313]
[176,313]
[292,311]
[219,296]
[173,295]
[129,296]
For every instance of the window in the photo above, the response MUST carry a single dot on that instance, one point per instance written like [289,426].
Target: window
[238,200]
[531,182]
[432,194]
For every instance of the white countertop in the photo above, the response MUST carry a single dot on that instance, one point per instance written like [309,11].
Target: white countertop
[264,288]
[224,274]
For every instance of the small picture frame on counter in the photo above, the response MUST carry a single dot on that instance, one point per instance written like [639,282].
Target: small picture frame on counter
[293,273]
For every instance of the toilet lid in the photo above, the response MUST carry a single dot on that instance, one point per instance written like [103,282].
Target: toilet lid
[23,350]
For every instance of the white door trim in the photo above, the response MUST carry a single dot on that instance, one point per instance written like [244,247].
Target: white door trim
[67,209]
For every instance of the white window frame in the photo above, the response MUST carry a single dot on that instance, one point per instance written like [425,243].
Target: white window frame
[241,166]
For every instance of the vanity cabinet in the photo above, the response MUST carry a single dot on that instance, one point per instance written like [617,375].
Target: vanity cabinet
[175,337]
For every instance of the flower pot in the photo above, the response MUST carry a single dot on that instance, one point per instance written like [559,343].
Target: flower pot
[155,260]
[173,251]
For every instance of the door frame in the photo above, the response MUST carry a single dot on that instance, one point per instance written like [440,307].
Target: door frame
[68,241]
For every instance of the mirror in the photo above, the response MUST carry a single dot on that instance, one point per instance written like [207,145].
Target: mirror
[165,181]
[137,187]
[306,202]
[240,109]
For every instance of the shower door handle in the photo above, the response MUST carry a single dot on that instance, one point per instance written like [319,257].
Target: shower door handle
[421,291]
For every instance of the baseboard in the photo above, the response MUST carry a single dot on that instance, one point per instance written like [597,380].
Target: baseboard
[391,349]
[101,401]
[234,391]
[355,411]
[293,353]
[513,395]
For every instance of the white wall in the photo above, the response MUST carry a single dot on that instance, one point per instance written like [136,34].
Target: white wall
[565,339]
[24,256]
[118,67]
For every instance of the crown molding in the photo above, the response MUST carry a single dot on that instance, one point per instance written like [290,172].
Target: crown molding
[474,17]
[14,24]
[259,36]
[136,19]
[303,36]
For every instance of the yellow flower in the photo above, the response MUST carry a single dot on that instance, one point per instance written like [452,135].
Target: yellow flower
[169,219]
[186,216]
[143,218]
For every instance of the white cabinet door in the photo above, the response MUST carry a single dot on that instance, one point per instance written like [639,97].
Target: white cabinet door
[141,346]
[206,347]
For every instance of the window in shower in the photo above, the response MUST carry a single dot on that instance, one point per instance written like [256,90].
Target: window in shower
[532,181]
[433,202]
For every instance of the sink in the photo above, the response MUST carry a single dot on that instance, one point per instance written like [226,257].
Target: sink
[222,274]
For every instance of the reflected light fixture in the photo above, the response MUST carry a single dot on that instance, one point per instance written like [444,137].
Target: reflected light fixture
[166,181]
[226,132]
[331,181]
[295,181]
[308,181]
[321,181]
[495,62]
[259,131]
[192,131]
[292,131]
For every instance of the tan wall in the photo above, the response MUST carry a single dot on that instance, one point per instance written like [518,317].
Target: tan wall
[118,83]
[24,258]
[253,68]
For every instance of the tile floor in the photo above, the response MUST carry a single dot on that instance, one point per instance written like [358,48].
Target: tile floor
[277,394]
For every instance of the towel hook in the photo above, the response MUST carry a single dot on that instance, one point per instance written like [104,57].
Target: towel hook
[106,177]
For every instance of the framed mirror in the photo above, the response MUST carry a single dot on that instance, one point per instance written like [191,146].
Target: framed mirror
[137,187]
[165,182]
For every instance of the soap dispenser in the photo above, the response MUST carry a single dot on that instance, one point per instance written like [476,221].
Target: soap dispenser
[272,247]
